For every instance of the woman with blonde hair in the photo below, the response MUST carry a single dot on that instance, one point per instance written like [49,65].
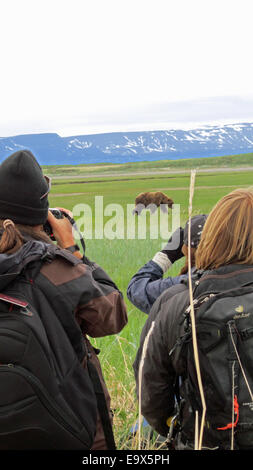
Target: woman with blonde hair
[223,301]
[227,237]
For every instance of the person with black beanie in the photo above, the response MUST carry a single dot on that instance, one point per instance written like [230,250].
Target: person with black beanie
[23,190]
[74,298]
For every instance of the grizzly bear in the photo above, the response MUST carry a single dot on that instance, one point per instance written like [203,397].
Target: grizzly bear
[151,200]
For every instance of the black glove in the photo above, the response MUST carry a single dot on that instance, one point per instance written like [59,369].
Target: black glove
[174,245]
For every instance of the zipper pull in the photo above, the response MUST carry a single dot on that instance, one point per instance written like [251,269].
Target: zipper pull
[26,312]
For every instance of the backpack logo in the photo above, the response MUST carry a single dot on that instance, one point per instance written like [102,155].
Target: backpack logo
[241,314]
[239,309]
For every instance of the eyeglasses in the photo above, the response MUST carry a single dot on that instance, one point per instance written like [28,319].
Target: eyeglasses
[48,180]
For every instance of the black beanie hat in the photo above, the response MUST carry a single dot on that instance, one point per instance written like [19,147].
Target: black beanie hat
[22,186]
[197,224]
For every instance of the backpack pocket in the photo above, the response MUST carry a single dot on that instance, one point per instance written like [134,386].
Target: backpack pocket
[34,419]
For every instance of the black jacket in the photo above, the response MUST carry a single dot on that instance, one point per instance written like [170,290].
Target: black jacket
[160,369]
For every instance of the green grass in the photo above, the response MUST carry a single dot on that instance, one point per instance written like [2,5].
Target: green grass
[122,258]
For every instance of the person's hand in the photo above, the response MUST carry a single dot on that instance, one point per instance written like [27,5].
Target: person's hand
[66,211]
[173,249]
[62,229]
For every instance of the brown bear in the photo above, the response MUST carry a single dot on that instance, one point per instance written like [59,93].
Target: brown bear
[152,199]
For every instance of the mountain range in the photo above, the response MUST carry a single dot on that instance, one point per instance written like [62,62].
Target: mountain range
[122,147]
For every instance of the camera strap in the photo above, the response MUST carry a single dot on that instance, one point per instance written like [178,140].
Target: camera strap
[73,222]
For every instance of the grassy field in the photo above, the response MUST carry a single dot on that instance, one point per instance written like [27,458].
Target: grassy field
[121,258]
[231,161]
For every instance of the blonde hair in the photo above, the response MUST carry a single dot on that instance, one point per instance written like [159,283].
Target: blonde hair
[227,237]
[15,235]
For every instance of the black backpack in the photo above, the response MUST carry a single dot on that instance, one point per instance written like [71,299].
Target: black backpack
[47,400]
[223,305]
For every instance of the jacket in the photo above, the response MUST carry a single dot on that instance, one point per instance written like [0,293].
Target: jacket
[148,284]
[160,369]
[80,294]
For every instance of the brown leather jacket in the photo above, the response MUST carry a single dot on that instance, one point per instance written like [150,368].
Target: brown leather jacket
[96,304]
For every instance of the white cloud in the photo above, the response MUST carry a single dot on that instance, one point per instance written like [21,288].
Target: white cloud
[67,64]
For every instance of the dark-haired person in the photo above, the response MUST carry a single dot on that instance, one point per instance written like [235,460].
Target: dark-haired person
[66,288]
[148,283]
[224,260]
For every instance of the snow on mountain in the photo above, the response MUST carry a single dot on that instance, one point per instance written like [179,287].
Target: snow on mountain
[121,147]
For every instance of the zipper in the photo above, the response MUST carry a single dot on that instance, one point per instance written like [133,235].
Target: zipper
[8,332]
[43,395]
[17,406]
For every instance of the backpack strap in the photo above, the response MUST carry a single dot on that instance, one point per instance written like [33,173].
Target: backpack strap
[102,406]
[53,251]
[223,279]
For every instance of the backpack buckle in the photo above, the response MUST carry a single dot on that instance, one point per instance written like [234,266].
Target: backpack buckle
[48,256]
[174,428]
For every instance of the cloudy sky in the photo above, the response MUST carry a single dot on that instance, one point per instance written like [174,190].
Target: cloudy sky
[86,66]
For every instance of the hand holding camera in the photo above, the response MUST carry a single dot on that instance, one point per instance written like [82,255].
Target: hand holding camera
[173,249]
[59,227]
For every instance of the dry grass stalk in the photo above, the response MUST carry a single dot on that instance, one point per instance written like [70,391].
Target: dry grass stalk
[144,351]
[198,440]
[196,445]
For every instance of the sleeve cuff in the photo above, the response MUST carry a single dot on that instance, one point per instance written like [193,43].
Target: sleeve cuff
[162,260]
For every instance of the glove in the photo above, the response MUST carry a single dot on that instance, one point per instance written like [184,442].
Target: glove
[173,249]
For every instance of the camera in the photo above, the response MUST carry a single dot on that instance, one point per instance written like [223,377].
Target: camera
[58,214]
